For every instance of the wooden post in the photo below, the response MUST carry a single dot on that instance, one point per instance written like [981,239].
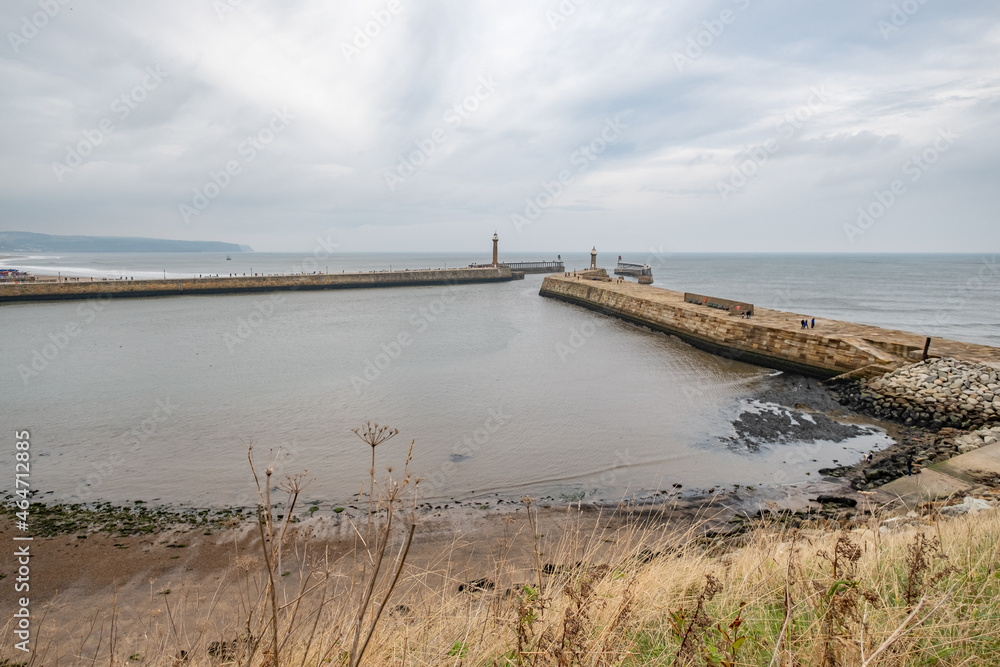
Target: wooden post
[927,346]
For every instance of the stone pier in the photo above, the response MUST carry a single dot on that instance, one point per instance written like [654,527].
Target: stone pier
[771,338]
[58,291]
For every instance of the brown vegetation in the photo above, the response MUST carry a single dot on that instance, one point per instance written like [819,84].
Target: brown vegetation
[924,593]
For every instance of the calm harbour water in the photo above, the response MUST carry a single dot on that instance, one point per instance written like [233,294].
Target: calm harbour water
[503,391]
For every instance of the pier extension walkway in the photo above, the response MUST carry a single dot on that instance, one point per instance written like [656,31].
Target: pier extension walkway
[554,266]
[632,269]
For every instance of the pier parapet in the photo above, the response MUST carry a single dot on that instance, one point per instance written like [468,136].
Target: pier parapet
[733,307]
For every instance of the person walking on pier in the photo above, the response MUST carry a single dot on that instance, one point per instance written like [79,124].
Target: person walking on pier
[812,325]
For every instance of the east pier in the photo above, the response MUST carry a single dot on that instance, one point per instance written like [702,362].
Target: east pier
[770,338]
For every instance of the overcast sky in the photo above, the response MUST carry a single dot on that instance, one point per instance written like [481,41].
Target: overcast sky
[746,125]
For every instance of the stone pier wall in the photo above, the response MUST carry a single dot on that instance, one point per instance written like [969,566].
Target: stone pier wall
[57,291]
[805,352]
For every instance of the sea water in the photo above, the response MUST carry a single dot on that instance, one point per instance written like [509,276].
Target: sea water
[500,391]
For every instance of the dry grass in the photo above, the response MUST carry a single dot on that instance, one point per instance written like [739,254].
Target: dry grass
[926,594]
[861,598]
[923,594]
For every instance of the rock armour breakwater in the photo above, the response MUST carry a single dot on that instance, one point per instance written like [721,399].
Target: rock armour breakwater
[770,338]
[973,441]
[932,394]
[57,291]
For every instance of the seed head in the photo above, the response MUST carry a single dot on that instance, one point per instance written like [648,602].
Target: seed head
[373,434]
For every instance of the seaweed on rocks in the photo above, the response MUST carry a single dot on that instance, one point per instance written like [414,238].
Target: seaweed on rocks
[51,519]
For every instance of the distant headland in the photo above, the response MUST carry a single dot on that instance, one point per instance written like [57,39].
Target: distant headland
[30,242]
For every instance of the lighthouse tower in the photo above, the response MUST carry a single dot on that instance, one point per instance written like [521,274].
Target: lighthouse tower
[593,259]
[495,239]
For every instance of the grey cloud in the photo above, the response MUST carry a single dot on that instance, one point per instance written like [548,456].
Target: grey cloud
[687,128]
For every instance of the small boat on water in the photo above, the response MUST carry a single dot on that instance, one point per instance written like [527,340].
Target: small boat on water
[228,258]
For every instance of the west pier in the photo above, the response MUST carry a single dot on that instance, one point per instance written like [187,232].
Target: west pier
[67,290]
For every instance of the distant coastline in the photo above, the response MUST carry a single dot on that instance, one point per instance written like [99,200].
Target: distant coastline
[31,242]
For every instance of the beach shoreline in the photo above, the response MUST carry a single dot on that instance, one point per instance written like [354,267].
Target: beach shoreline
[79,576]
[195,554]
[91,542]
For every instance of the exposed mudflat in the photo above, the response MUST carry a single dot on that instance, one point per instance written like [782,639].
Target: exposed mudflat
[767,423]
[787,409]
